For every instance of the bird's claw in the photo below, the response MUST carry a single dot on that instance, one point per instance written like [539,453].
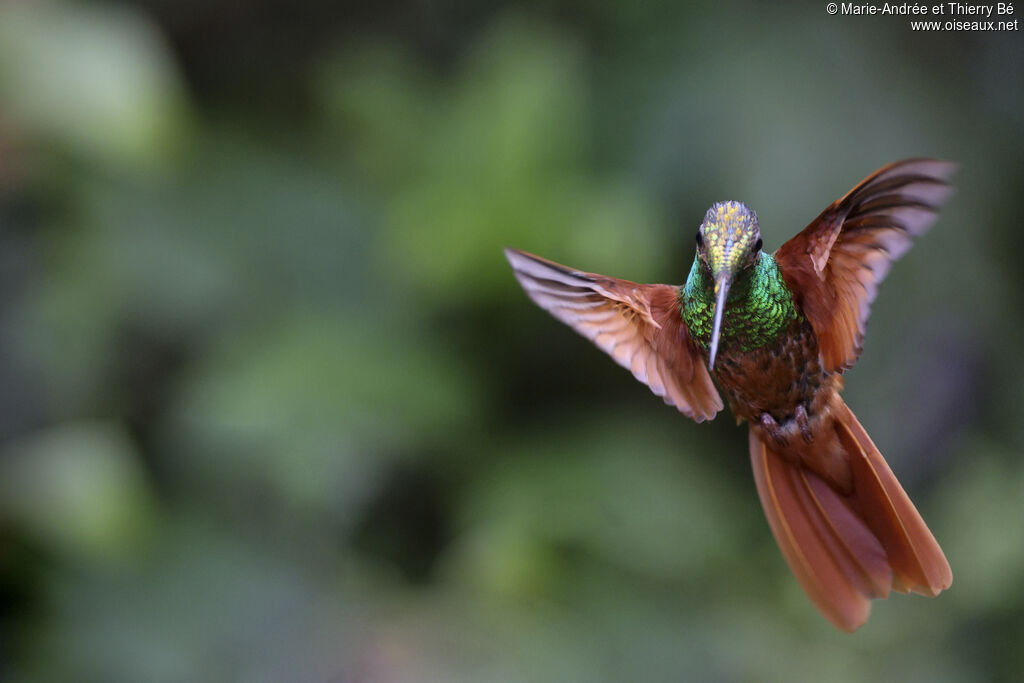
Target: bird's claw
[804,423]
[769,424]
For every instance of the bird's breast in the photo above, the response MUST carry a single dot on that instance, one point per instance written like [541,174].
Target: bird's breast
[776,378]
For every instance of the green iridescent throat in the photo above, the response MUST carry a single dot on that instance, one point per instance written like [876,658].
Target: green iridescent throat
[760,306]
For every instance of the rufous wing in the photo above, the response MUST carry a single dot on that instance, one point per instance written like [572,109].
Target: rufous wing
[638,325]
[835,264]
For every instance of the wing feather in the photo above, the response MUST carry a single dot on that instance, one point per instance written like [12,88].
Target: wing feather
[835,265]
[638,325]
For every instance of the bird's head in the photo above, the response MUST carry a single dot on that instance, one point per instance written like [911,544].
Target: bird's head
[728,242]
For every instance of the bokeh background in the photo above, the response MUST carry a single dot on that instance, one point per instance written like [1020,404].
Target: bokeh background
[273,408]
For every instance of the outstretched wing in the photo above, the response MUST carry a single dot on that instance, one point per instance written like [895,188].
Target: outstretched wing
[639,326]
[834,266]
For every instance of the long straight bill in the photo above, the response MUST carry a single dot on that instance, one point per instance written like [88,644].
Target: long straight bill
[722,284]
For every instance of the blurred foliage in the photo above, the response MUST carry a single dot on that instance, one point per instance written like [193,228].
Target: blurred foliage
[273,407]
[97,81]
[496,152]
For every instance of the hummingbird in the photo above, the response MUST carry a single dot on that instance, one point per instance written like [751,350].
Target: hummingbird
[776,332]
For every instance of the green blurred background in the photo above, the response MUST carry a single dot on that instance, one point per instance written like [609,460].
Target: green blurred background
[273,408]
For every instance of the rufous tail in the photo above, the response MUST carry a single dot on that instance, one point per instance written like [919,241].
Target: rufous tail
[846,548]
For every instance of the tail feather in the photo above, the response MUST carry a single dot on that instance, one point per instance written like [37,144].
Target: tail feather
[847,548]
[917,561]
[835,557]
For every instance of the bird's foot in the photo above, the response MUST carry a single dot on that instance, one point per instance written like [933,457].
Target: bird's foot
[770,426]
[804,423]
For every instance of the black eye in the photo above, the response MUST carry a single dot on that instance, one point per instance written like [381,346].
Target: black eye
[757,245]
[700,240]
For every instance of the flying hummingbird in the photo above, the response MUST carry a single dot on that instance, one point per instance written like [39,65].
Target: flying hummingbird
[777,332]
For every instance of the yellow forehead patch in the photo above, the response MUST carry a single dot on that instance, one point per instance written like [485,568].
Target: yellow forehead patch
[727,211]
[727,236]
